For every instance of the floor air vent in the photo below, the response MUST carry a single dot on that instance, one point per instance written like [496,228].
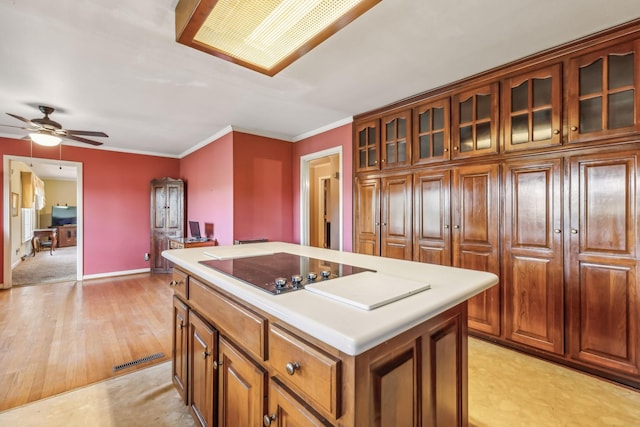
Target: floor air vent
[137,362]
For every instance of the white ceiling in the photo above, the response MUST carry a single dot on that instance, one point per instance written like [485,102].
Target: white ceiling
[114,65]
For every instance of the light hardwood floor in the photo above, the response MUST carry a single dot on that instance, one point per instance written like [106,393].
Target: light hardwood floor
[59,336]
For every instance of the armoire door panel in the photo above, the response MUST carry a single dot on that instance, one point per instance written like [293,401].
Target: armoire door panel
[396,216]
[608,317]
[367,214]
[159,208]
[605,211]
[475,215]
[432,221]
[603,290]
[174,207]
[533,254]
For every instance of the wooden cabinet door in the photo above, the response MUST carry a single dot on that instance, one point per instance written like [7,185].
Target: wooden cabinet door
[203,384]
[167,219]
[243,389]
[533,254]
[603,92]
[367,216]
[396,140]
[286,411]
[432,220]
[367,138]
[180,347]
[431,140]
[531,109]
[396,216]
[475,237]
[603,289]
[475,122]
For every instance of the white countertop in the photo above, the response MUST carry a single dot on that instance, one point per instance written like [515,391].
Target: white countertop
[347,328]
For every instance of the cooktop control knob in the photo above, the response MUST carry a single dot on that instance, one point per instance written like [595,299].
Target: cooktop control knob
[296,280]
[312,276]
[325,274]
[280,282]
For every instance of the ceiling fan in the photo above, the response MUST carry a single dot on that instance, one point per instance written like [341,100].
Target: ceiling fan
[47,132]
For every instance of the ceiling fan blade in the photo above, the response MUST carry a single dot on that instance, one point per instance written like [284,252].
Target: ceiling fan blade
[17,127]
[29,122]
[86,133]
[79,139]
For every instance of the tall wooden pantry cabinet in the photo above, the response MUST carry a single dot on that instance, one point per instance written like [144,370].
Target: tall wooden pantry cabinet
[167,219]
[529,171]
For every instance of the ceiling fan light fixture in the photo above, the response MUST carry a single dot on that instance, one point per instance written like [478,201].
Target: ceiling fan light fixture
[263,35]
[43,138]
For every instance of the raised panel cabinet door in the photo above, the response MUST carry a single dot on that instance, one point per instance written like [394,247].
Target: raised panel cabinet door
[475,218]
[286,411]
[533,254]
[396,140]
[531,109]
[431,217]
[180,347]
[396,215]
[367,216]
[474,131]
[203,379]
[174,215]
[431,136]
[366,145]
[603,97]
[243,389]
[603,287]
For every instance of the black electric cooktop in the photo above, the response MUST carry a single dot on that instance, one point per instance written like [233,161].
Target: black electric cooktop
[281,272]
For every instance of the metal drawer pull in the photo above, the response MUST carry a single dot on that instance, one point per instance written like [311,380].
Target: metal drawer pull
[181,325]
[267,419]
[206,354]
[216,364]
[292,367]
[557,230]
[175,282]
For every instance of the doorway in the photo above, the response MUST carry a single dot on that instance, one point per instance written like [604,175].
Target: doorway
[321,199]
[64,182]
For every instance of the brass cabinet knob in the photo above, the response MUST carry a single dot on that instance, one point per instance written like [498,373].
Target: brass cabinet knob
[557,230]
[456,226]
[446,150]
[267,419]
[292,367]
[446,226]
[556,131]
[216,364]
[455,148]
[574,128]
[181,325]
[574,231]
[175,282]
[206,354]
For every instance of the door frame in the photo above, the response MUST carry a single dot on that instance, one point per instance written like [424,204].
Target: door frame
[6,183]
[305,193]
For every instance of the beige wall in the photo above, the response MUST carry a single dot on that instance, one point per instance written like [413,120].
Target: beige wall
[57,192]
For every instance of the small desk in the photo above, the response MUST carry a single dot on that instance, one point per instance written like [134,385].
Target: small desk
[183,242]
[50,233]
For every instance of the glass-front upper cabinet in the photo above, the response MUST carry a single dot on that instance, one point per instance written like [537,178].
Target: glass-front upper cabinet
[603,97]
[396,140]
[366,148]
[431,141]
[531,109]
[475,122]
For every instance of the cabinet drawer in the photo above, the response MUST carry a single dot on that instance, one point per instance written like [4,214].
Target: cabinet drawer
[306,369]
[179,283]
[237,322]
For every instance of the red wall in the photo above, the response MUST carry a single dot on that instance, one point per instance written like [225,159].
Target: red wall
[340,136]
[263,188]
[116,201]
[208,175]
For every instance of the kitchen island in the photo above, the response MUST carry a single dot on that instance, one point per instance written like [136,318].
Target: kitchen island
[243,356]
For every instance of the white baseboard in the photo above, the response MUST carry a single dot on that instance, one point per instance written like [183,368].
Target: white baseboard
[115,273]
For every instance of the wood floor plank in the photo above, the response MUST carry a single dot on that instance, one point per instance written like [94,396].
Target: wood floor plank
[57,337]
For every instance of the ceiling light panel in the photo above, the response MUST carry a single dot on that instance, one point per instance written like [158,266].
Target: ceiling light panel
[264,35]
